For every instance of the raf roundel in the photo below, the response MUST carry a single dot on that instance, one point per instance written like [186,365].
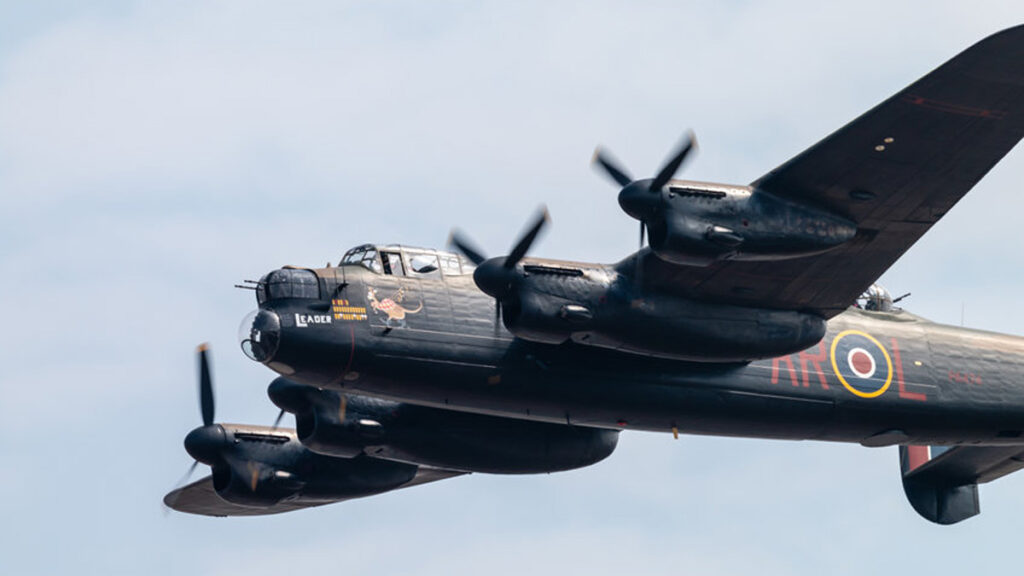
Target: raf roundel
[861,363]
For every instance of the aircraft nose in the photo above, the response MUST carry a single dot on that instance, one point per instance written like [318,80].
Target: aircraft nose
[260,335]
[205,443]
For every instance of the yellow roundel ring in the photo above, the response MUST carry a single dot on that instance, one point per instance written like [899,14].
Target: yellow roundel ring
[847,385]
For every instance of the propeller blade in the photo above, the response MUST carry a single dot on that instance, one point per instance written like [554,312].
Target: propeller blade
[277,420]
[466,247]
[524,243]
[191,469]
[610,166]
[643,228]
[167,502]
[205,385]
[672,166]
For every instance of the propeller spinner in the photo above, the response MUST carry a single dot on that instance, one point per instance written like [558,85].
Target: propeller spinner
[642,199]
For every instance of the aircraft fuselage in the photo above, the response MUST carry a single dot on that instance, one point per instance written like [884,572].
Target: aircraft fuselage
[877,378]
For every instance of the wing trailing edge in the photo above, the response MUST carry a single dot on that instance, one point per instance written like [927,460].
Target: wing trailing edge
[199,497]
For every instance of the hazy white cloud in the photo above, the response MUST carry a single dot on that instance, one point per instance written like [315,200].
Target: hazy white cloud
[243,100]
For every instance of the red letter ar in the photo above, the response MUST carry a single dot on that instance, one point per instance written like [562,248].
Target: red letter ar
[775,370]
[815,360]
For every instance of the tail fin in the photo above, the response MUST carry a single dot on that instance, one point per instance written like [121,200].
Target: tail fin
[940,481]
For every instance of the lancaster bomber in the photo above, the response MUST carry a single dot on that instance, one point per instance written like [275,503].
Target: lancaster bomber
[748,311]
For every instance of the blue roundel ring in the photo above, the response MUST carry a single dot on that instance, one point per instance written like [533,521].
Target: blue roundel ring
[861,363]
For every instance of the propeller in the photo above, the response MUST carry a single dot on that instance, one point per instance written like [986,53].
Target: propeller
[205,385]
[496,276]
[466,247]
[277,421]
[642,199]
[205,443]
[210,443]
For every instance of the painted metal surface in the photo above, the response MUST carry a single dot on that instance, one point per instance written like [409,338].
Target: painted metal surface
[873,373]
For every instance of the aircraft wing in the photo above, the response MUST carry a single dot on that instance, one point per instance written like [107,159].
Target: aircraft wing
[894,171]
[199,497]
[941,482]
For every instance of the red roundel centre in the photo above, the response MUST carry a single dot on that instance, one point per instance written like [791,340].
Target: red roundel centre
[862,363]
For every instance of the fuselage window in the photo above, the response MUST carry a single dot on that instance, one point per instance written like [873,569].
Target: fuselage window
[392,263]
[423,265]
[450,265]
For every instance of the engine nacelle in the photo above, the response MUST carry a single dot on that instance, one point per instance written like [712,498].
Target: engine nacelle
[598,307]
[554,301]
[672,327]
[259,485]
[476,443]
[538,318]
[259,467]
[697,226]
[342,425]
[254,484]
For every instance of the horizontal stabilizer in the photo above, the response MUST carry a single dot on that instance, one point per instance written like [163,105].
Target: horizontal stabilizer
[941,482]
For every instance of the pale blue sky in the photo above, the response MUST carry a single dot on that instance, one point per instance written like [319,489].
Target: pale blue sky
[154,154]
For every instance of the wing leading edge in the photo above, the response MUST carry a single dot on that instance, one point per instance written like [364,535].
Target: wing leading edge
[895,171]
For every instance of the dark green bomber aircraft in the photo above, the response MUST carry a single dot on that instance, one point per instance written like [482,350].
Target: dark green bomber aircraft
[739,318]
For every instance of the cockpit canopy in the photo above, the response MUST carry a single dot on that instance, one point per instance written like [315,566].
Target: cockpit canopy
[399,260]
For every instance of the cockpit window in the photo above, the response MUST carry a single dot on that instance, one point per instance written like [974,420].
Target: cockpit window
[392,263]
[407,261]
[364,256]
[370,260]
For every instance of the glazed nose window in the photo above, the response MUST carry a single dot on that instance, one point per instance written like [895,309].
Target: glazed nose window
[260,334]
